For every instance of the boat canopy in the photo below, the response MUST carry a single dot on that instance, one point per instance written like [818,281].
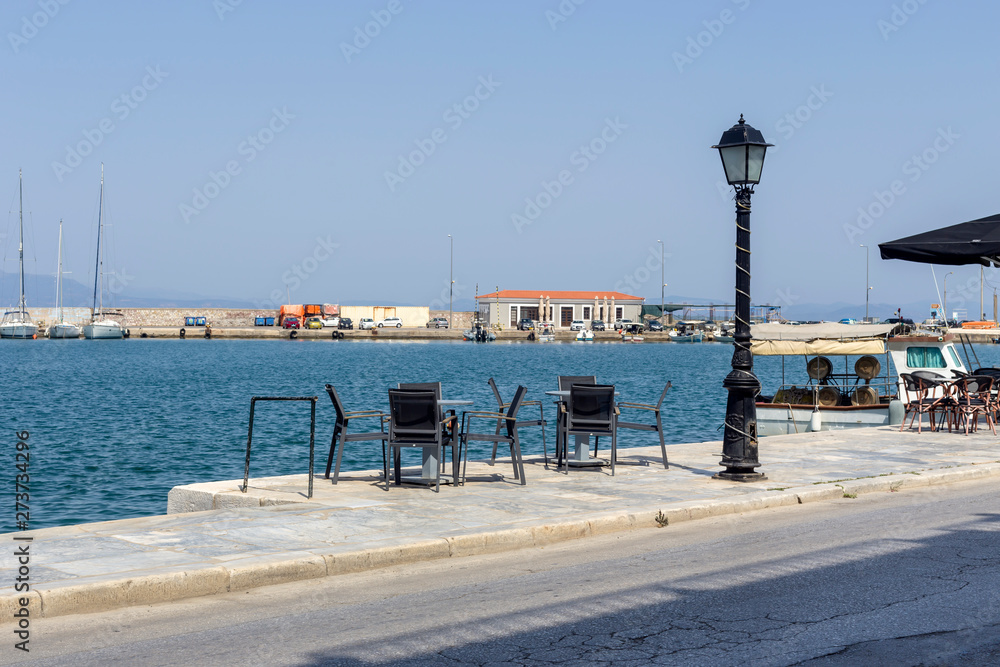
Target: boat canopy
[827,338]
[973,242]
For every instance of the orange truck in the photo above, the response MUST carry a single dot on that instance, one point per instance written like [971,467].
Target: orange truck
[297,311]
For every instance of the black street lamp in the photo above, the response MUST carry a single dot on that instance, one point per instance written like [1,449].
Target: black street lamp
[742,151]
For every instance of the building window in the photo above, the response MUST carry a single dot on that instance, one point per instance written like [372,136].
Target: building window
[529,312]
[618,312]
[586,312]
[924,357]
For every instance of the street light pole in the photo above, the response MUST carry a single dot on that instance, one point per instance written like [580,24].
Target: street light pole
[742,150]
[451,278]
[946,298]
[867,282]
[662,284]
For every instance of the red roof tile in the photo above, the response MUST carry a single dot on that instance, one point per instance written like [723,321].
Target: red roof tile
[534,295]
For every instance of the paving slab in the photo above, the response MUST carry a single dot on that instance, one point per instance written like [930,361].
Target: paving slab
[216,538]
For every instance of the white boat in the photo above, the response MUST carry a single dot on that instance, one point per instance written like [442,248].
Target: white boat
[585,335]
[631,333]
[832,400]
[688,338]
[17,322]
[103,323]
[62,328]
[546,334]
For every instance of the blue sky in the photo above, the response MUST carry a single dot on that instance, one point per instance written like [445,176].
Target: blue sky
[262,149]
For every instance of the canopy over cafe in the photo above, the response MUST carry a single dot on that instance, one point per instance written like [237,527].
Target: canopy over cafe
[560,308]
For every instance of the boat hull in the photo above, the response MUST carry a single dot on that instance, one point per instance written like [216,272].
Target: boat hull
[783,419]
[18,330]
[64,331]
[102,330]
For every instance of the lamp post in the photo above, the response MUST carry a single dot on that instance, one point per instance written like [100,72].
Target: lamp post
[946,298]
[742,150]
[662,284]
[451,278]
[867,282]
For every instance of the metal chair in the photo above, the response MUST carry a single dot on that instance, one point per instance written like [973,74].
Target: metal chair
[656,428]
[919,399]
[510,438]
[501,406]
[974,399]
[591,411]
[436,388]
[414,421]
[565,382]
[341,436]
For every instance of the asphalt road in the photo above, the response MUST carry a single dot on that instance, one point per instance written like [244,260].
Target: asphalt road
[908,578]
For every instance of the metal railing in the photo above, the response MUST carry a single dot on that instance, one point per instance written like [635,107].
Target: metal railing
[312,435]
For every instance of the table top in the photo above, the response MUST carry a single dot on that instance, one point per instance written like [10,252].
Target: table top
[564,393]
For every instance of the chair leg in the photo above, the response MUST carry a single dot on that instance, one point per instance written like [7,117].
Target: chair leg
[333,447]
[515,454]
[597,439]
[541,418]
[663,445]
[614,448]
[440,453]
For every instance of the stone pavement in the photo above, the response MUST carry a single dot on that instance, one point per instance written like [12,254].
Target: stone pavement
[223,540]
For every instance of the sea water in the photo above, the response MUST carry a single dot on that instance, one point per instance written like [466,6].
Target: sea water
[115,424]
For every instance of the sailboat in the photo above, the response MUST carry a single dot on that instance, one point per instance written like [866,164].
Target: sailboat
[62,328]
[103,323]
[17,323]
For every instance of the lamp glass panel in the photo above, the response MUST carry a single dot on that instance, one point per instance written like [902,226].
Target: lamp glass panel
[734,162]
[755,162]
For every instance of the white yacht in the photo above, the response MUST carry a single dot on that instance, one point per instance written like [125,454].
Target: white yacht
[62,328]
[103,323]
[17,322]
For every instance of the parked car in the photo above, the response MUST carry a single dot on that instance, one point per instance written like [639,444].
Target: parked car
[577,325]
[598,325]
[366,323]
[331,321]
[345,323]
[526,324]
[314,322]
[438,323]
[291,322]
[654,325]
[390,322]
[621,324]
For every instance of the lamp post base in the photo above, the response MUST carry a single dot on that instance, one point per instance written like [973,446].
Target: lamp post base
[739,476]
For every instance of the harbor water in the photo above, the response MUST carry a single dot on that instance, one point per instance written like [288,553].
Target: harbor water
[114,425]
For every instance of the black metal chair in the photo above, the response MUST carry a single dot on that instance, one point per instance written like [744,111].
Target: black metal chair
[656,428]
[501,406]
[436,388]
[591,411]
[510,438]
[342,437]
[565,382]
[414,421]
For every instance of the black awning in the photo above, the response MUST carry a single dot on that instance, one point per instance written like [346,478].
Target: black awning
[974,242]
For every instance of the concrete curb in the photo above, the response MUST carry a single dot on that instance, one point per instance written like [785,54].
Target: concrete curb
[95,594]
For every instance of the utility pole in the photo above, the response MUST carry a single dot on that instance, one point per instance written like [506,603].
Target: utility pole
[451,279]
[868,287]
[662,284]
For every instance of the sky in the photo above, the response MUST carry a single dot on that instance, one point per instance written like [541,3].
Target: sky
[323,152]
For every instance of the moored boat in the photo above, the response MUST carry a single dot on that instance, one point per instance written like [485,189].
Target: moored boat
[62,328]
[17,322]
[103,323]
[829,400]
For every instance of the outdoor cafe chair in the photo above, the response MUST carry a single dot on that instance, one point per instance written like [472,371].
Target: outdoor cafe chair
[510,438]
[565,382]
[415,421]
[974,399]
[501,406]
[591,411]
[436,388]
[920,401]
[342,437]
[656,428]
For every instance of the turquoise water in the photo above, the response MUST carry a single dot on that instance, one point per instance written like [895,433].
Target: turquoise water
[115,424]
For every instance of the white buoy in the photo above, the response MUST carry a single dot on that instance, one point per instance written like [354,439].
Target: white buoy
[816,421]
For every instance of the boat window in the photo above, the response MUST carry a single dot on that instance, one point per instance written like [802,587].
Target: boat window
[954,356]
[924,357]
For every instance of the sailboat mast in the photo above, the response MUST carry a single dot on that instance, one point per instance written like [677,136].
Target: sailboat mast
[20,241]
[97,263]
[59,301]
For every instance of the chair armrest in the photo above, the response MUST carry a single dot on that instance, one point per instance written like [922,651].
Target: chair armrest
[639,406]
[363,413]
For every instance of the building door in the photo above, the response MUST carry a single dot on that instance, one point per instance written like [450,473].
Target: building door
[565,316]
[513,316]
[529,312]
